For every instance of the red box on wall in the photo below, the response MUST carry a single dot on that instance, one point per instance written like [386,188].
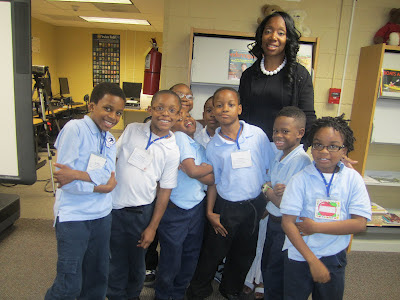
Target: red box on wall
[334,96]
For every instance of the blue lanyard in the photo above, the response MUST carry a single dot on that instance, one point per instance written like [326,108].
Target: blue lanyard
[327,186]
[237,136]
[149,142]
[104,142]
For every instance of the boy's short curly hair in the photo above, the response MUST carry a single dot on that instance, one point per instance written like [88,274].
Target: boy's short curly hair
[227,88]
[339,124]
[106,88]
[295,113]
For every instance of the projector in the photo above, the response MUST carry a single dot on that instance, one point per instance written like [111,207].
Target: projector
[39,70]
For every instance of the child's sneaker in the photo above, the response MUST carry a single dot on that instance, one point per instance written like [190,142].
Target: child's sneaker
[150,278]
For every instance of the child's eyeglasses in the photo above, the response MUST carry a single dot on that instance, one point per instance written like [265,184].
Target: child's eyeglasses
[161,109]
[189,97]
[330,148]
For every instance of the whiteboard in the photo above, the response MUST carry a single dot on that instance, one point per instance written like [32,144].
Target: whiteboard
[210,63]
[17,159]
[8,157]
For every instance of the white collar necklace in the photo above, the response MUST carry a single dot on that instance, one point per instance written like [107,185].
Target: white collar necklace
[270,73]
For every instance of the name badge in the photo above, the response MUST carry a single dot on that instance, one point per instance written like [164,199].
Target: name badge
[241,159]
[140,158]
[95,162]
[327,209]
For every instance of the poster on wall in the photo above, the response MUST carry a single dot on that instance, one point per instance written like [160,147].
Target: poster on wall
[239,61]
[106,58]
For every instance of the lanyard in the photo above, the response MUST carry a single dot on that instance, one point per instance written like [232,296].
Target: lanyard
[328,186]
[237,137]
[104,142]
[149,142]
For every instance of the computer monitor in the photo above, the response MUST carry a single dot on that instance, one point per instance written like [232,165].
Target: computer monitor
[47,87]
[64,88]
[132,89]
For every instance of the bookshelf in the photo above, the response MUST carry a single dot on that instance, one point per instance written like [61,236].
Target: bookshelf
[377,151]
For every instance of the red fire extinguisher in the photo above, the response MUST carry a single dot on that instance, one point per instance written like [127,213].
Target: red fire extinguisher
[152,69]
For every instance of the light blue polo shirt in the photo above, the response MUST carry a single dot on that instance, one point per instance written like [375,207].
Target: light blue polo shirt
[189,191]
[300,197]
[281,171]
[76,200]
[243,183]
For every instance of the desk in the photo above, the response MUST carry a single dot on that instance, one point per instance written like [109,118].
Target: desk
[58,109]
[37,121]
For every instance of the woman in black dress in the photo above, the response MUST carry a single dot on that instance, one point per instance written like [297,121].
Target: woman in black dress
[276,79]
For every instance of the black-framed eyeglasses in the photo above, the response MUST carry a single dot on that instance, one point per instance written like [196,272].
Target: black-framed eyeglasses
[161,109]
[181,95]
[330,148]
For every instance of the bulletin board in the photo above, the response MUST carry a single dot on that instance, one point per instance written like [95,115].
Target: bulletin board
[106,58]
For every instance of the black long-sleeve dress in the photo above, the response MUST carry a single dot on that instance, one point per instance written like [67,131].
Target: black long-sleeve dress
[263,96]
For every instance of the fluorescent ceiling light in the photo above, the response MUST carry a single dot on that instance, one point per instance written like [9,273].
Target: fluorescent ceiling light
[98,1]
[116,20]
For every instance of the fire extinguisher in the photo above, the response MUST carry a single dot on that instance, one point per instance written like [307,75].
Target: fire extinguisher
[152,69]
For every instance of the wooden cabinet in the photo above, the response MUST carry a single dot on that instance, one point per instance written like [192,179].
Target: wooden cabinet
[365,99]
[377,158]
[209,61]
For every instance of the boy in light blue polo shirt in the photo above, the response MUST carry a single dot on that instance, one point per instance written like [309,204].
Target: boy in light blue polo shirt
[322,206]
[239,154]
[288,130]
[181,229]
[86,164]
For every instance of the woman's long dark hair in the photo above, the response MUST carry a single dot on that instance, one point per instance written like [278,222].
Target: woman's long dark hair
[292,42]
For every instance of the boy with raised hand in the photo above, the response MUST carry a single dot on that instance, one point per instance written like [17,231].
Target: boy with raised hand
[86,165]
[181,228]
[239,154]
[147,154]
[288,130]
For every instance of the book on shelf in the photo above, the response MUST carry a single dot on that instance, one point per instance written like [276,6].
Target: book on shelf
[382,177]
[391,219]
[390,84]
[239,61]
[377,209]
